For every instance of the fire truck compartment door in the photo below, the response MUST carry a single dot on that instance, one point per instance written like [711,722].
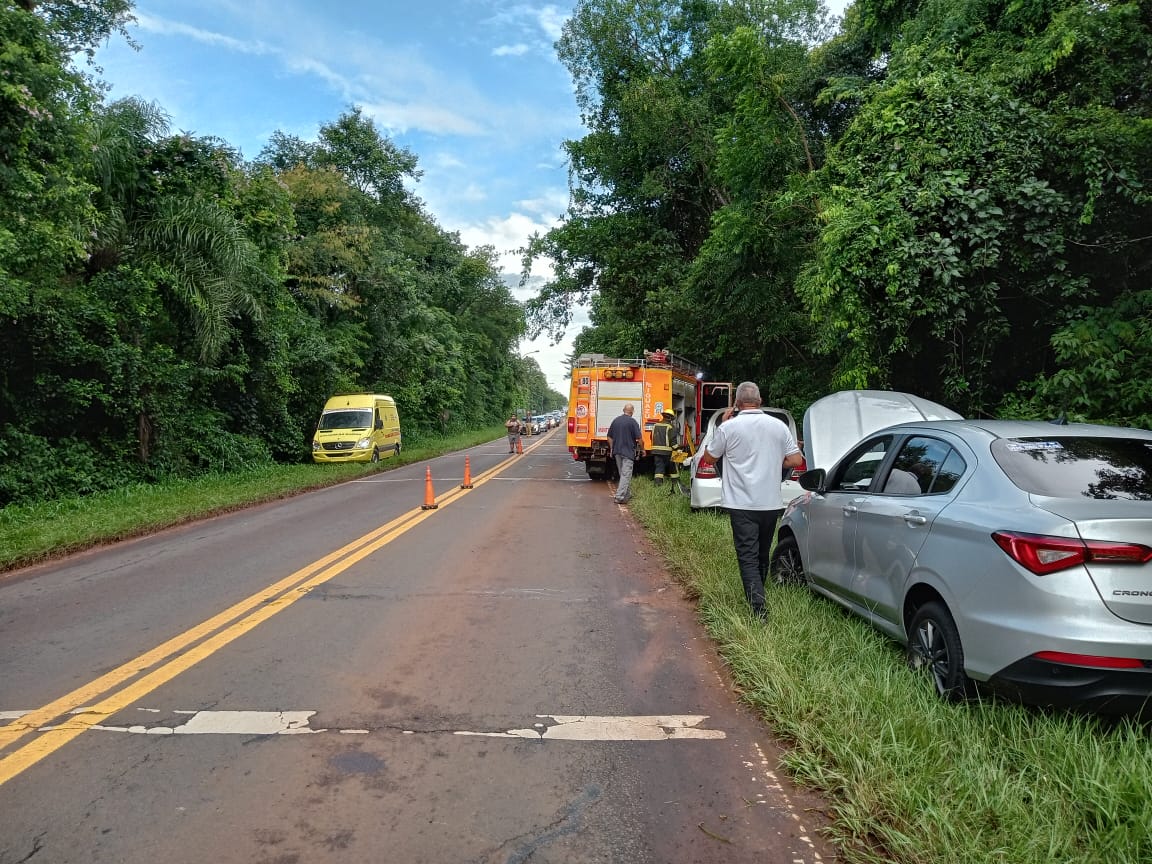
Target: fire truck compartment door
[611,397]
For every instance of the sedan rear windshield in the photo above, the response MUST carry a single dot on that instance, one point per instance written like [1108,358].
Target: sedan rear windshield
[1074,467]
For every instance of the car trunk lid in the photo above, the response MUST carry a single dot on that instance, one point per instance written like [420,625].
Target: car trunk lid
[836,422]
[1125,588]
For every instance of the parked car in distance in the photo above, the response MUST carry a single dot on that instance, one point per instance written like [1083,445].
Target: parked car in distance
[1013,556]
[704,491]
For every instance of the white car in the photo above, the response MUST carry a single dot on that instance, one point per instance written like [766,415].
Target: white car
[704,492]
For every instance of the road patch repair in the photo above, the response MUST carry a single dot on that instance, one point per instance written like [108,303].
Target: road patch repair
[564,727]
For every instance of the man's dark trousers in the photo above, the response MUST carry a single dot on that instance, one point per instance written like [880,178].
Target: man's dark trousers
[752,534]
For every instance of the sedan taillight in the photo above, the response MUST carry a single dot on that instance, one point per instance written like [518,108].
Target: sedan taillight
[803,466]
[1043,554]
[706,472]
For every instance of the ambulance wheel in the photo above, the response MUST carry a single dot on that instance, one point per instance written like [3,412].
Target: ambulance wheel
[375,455]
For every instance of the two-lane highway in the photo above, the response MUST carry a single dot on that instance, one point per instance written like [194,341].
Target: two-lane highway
[344,676]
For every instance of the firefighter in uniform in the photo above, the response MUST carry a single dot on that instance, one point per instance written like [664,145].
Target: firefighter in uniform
[663,440]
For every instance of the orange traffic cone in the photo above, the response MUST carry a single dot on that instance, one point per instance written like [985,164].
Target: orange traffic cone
[467,484]
[429,495]
[520,444]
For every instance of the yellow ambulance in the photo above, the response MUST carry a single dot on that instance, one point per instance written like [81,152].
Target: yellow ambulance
[360,427]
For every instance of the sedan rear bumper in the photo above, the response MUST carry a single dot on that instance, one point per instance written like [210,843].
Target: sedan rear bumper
[1059,685]
[706,493]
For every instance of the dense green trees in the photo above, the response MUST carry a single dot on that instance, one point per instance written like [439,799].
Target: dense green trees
[943,196]
[986,201]
[167,308]
[947,196]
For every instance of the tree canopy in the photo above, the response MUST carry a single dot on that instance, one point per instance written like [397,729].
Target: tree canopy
[943,196]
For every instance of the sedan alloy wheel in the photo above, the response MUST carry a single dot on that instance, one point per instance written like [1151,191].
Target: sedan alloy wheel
[787,568]
[934,647]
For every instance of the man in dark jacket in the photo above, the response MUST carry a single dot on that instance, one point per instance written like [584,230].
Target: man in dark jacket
[625,443]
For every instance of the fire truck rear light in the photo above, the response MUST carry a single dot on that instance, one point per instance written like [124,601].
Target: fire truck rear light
[571,425]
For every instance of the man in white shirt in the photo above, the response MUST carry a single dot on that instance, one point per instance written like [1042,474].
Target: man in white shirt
[757,450]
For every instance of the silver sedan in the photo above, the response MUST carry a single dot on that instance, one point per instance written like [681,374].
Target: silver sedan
[1016,555]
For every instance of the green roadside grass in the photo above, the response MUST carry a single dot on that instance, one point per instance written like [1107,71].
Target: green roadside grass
[37,532]
[909,778]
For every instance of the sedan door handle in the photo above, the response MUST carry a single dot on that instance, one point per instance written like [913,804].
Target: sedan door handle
[850,509]
[915,519]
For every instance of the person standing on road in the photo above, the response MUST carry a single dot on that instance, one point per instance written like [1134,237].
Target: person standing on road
[663,439]
[513,427]
[757,450]
[625,443]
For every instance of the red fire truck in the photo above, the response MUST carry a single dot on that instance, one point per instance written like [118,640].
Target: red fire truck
[652,383]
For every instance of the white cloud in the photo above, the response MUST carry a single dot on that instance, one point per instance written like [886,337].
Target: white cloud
[405,116]
[474,192]
[507,235]
[305,65]
[551,20]
[517,50]
[444,160]
[165,27]
[538,27]
[551,206]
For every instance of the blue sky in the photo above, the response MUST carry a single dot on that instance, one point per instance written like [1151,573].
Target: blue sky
[472,87]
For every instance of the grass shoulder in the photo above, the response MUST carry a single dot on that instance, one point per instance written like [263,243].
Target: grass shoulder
[909,778]
[32,533]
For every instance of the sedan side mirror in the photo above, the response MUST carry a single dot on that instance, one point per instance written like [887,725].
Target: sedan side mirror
[813,480]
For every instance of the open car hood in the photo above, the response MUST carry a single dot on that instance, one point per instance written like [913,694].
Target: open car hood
[836,422]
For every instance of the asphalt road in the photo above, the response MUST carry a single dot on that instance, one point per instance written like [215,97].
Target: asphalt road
[346,677]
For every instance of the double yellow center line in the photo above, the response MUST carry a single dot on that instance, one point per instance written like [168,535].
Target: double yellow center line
[126,684]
